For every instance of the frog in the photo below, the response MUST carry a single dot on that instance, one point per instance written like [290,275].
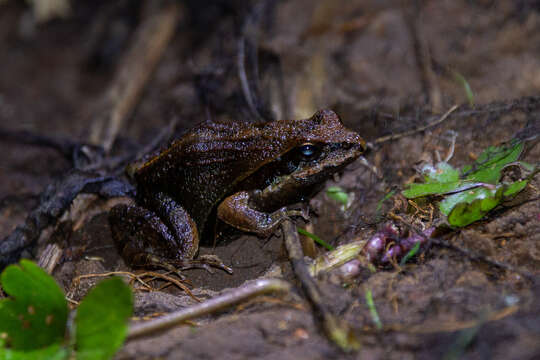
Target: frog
[243,175]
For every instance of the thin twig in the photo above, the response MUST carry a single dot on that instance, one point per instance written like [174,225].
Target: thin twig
[228,299]
[428,79]
[242,75]
[174,281]
[139,278]
[413,131]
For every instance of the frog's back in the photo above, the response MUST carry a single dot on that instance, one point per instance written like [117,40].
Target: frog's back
[203,166]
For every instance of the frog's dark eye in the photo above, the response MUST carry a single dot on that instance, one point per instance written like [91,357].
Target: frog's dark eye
[309,151]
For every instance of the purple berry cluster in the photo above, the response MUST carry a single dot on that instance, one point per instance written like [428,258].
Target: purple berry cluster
[387,244]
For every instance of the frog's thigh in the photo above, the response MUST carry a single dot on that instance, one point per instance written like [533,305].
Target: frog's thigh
[140,235]
[236,211]
[179,222]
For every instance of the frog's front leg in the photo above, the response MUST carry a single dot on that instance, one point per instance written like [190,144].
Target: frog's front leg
[237,211]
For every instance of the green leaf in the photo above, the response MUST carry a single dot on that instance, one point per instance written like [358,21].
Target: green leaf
[443,173]
[36,314]
[101,321]
[336,193]
[410,254]
[417,190]
[465,196]
[473,205]
[488,166]
[438,181]
[52,352]
[514,188]
[315,238]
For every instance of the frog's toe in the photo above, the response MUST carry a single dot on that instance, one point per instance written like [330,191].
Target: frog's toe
[206,262]
[302,211]
[215,261]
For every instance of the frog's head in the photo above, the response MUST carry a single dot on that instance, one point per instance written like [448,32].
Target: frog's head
[324,146]
[315,149]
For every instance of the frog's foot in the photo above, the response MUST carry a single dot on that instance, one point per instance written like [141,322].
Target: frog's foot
[206,262]
[302,211]
[157,262]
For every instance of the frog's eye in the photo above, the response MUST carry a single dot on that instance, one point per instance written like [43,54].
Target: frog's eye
[309,151]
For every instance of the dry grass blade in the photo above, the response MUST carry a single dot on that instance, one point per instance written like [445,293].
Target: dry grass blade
[139,278]
[135,71]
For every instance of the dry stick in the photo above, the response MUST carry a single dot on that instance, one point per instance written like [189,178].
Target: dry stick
[174,281]
[242,75]
[337,331]
[233,297]
[414,131]
[50,257]
[422,56]
[134,72]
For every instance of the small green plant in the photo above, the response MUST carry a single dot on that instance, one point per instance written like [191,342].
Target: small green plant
[33,321]
[410,254]
[470,193]
[378,209]
[372,310]
[339,195]
[460,79]
[315,238]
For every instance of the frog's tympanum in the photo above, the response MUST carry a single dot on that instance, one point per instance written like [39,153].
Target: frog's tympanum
[242,174]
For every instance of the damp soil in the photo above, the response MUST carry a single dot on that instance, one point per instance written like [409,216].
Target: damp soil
[385,67]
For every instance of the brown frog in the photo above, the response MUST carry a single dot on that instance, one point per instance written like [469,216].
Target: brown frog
[241,174]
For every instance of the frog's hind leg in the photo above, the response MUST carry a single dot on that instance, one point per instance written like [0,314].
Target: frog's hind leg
[166,239]
[183,227]
[141,237]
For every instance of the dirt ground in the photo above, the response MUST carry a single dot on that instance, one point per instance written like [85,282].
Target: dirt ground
[384,67]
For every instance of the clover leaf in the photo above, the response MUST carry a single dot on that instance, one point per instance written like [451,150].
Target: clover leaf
[33,320]
[101,321]
[36,314]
